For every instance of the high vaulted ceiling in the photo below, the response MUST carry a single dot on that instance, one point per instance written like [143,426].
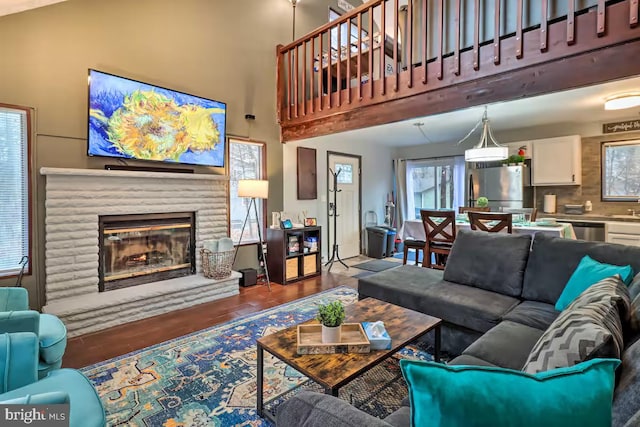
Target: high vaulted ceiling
[8,7]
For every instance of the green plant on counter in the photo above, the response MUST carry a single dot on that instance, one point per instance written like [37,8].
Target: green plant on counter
[331,315]
[514,158]
[482,202]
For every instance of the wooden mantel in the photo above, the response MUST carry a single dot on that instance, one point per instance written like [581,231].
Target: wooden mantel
[579,49]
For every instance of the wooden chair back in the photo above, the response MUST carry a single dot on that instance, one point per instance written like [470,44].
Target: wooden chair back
[439,226]
[493,222]
[465,209]
[532,212]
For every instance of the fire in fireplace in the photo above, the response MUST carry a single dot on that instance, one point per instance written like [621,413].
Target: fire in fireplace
[137,249]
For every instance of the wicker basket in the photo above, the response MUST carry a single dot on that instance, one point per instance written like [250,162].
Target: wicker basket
[216,265]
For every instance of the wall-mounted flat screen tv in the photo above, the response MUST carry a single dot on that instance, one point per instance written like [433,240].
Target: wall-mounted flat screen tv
[134,120]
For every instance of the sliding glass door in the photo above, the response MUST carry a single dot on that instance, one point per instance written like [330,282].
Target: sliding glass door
[435,184]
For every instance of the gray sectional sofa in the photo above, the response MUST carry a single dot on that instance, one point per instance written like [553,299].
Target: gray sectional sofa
[496,298]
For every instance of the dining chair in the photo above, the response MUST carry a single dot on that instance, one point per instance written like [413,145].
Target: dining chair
[465,209]
[440,232]
[493,222]
[532,212]
[418,245]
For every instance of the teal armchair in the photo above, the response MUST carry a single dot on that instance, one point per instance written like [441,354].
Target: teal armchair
[15,316]
[19,369]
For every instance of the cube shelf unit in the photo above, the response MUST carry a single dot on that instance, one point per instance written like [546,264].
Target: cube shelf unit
[286,264]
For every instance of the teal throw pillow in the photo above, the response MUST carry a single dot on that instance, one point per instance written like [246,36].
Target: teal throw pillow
[482,396]
[587,273]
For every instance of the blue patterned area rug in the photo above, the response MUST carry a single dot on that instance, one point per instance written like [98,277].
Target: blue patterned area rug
[208,378]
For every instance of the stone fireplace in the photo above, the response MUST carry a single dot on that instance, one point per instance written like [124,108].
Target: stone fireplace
[80,203]
[138,249]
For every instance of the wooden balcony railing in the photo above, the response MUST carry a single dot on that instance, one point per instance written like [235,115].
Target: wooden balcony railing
[390,50]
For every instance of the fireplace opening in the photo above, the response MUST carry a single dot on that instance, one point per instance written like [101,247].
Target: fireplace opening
[137,249]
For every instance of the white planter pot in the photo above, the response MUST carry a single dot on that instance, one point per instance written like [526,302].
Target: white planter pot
[331,334]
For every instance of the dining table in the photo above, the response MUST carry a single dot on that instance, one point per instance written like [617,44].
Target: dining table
[414,229]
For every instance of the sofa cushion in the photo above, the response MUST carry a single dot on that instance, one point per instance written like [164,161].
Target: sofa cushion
[626,399]
[400,418]
[536,314]
[587,273]
[457,396]
[53,338]
[86,407]
[492,261]
[465,359]
[553,260]
[311,409]
[589,328]
[389,283]
[507,345]
[466,306]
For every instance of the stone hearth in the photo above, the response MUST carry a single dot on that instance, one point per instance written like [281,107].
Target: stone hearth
[75,198]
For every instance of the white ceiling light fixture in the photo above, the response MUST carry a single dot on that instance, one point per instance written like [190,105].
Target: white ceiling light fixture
[620,102]
[482,151]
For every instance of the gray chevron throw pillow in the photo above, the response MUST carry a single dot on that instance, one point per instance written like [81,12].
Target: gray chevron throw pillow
[634,316]
[590,327]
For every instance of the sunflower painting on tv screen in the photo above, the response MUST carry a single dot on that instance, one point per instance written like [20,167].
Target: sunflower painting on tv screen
[135,120]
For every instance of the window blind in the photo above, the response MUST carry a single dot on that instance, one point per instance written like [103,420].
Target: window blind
[14,190]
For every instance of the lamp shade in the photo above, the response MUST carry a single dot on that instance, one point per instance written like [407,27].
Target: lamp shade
[258,188]
[486,154]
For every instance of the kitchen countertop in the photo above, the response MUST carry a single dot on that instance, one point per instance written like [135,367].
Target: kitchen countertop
[588,217]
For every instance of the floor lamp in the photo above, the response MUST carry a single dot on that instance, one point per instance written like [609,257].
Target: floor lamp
[254,189]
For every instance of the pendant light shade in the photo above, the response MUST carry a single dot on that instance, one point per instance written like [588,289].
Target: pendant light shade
[486,154]
[483,151]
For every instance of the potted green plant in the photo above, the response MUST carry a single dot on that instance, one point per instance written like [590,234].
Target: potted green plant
[331,316]
[482,202]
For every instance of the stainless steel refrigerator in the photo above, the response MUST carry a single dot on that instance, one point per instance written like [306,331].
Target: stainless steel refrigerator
[504,186]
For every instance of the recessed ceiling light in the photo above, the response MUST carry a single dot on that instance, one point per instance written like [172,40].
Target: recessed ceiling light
[620,102]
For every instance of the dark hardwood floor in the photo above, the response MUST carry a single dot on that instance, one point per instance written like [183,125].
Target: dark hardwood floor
[98,346]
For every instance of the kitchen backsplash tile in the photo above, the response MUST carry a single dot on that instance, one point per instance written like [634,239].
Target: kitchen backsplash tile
[591,181]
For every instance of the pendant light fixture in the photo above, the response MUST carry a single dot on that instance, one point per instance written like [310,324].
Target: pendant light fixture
[620,102]
[483,151]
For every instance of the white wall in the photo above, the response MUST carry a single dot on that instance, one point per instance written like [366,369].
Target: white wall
[376,178]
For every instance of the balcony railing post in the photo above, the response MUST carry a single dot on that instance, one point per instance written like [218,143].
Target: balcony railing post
[395,45]
[496,32]
[571,16]
[476,35]
[279,83]
[456,47]
[440,38]
[383,55]
[359,73]
[372,51]
[409,43]
[601,17]
[633,13]
[425,40]
[544,25]
[519,42]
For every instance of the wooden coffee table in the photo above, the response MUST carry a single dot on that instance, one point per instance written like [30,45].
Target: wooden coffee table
[333,371]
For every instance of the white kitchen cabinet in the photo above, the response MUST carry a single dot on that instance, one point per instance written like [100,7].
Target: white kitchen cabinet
[624,233]
[557,161]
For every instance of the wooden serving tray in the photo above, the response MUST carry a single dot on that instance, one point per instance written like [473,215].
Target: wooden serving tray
[353,340]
